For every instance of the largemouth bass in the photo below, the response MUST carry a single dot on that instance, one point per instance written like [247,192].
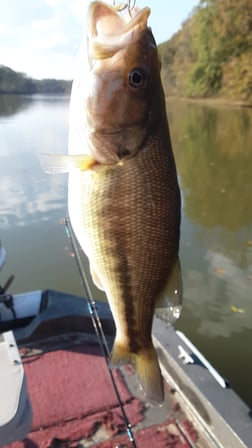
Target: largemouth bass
[124,198]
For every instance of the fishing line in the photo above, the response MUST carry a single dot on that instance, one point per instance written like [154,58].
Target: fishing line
[97,325]
[131,4]
[121,6]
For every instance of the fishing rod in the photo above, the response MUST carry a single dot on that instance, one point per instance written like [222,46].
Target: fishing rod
[97,325]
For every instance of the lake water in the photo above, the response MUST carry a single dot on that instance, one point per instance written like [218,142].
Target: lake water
[213,150]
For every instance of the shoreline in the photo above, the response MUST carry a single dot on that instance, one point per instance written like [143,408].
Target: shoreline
[207,101]
[210,101]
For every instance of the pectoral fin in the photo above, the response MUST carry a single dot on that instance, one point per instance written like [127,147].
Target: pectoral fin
[169,303]
[58,163]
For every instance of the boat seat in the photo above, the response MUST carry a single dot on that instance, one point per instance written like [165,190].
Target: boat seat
[15,407]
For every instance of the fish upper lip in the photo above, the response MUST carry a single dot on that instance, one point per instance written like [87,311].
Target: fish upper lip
[108,32]
[99,10]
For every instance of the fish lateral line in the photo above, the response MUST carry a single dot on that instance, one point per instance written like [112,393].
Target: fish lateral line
[58,163]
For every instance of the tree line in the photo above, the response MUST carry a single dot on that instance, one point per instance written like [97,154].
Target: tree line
[211,56]
[12,82]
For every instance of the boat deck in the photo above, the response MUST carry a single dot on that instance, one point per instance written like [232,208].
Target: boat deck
[73,400]
[74,403]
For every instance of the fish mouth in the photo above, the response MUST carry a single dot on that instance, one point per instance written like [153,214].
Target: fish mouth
[109,30]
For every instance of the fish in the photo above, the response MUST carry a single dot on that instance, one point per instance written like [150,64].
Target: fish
[123,193]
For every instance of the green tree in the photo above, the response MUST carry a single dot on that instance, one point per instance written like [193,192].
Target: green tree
[212,54]
[12,82]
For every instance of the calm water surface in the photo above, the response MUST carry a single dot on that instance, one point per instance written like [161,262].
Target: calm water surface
[212,147]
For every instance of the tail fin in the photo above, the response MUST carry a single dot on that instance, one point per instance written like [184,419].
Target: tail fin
[147,370]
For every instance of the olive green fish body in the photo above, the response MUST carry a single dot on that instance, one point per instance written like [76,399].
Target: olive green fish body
[124,200]
[130,216]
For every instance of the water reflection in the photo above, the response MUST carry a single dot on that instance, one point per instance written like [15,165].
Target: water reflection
[27,194]
[31,202]
[213,151]
[220,297]
[11,104]
[25,198]
[213,154]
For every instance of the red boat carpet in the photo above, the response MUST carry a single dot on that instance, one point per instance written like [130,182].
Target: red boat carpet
[72,396]
[162,435]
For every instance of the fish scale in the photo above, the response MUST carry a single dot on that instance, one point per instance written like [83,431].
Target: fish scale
[133,214]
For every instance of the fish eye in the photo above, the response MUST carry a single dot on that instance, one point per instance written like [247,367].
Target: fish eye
[138,77]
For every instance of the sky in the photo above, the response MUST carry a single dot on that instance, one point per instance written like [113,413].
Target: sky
[41,37]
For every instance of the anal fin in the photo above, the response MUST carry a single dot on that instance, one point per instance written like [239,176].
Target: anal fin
[169,303]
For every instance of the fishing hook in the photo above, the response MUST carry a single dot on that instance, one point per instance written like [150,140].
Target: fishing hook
[121,6]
